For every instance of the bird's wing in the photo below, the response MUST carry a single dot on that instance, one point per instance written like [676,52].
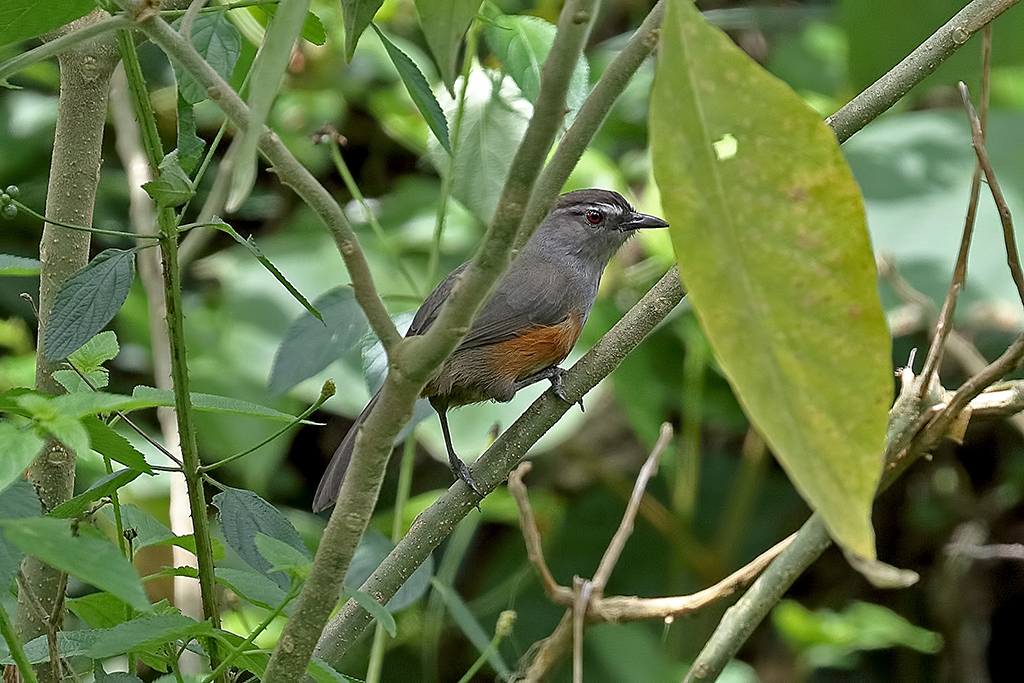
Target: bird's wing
[431,306]
[519,303]
[522,301]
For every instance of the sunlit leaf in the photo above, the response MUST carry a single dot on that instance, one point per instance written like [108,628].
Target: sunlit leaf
[774,251]
[493,123]
[23,19]
[18,448]
[522,43]
[89,557]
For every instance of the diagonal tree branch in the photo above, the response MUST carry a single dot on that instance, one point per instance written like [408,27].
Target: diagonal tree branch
[919,64]
[438,521]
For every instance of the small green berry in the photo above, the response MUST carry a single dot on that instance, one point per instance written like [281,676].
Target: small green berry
[9,211]
[5,199]
[12,191]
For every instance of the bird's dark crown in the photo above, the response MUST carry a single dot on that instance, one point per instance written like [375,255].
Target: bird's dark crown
[606,201]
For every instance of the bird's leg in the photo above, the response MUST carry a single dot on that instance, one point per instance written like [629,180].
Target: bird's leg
[553,374]
[458,467]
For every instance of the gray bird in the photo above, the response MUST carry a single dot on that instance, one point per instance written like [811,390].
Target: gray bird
[527,327]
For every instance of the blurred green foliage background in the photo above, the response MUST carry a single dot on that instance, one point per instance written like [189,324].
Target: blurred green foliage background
[719,499]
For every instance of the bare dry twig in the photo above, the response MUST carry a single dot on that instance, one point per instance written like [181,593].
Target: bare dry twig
[978,142]
[585,600]
[944,324]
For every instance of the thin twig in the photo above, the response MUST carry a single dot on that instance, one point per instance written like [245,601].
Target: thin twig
[531,534]
[944,324]
[124,418]
[1009,238]
[543,657]
[915,67]
[622,534]
[583,590]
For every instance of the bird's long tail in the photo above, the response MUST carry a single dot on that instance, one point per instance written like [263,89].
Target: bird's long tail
[327,491]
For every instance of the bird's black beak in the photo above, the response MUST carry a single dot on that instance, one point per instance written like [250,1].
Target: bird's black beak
[642,221]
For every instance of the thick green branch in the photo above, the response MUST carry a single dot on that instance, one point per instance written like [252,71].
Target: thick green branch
[421,356]
[920,63]
[74,175]
[414,360]
[191,465]
[492,468]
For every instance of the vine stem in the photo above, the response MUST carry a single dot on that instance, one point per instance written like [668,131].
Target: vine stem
[191,465]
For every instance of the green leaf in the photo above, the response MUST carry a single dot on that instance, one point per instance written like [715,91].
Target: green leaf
[322,672]
[148,397]
[312,28]
[774,251]
[96,351]
[101,676]
[99,610]
[147,634]
[24,19]
[493,123]
[69,644]
[188,542]
[50,419]
[106,486]
[218,41]
[89,557]
[827,638]
[243,515]
[190,145]
[253,586]
[18,265]
[522,43]
[250,244]
[105,441]
[73,382]
[419,90]
[357,15]
[88,300]
[90,403]
[283,557]
[251,660]
[372,550]
[311,345]
[172,186]
[17,500]
[444,24]
[18,448]
[89,361]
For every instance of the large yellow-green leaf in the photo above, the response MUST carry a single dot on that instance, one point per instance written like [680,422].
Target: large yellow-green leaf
[768,226]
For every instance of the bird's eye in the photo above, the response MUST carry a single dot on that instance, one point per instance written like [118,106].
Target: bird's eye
[594,217]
